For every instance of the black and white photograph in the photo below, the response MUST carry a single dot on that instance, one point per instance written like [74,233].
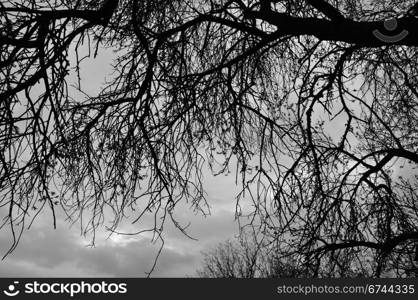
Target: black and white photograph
[202,139]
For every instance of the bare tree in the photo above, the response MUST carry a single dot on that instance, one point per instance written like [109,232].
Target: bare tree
[315,102]
[249,257]
[230,260]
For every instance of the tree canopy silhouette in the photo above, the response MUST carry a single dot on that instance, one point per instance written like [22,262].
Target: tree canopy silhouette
[249,257]
[312,109]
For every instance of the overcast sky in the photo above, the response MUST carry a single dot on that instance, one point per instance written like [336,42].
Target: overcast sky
[63,252]
[45,252]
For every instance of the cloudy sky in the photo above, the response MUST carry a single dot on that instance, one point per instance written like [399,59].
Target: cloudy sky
[45,252]
[63,252]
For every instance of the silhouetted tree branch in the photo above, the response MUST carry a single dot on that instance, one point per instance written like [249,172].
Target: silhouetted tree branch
[315,113]
[249,257]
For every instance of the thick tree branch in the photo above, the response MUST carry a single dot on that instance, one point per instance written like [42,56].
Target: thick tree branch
[327,9]
[348,31]
[385,247]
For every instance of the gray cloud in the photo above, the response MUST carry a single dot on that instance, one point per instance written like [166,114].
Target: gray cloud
[46,252]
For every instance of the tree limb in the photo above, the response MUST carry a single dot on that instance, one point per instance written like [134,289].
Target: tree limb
[327,9]
[348,31]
